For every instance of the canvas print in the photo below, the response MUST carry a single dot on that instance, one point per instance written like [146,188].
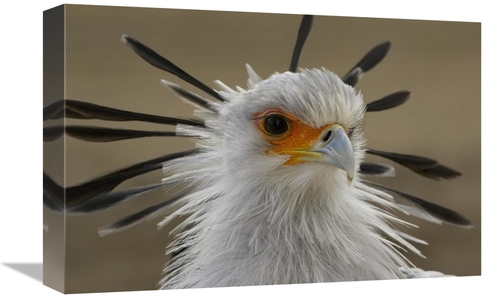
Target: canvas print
[196,149]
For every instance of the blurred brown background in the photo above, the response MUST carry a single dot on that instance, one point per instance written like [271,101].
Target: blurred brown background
[438,61]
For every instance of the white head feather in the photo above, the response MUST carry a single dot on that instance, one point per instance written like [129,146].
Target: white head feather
[254,220]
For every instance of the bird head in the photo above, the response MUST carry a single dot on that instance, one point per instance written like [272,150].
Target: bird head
[291,123]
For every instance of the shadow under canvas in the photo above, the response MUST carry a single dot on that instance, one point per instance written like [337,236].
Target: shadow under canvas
[33,270]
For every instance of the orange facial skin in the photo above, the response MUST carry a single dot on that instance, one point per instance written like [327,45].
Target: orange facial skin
[295,142]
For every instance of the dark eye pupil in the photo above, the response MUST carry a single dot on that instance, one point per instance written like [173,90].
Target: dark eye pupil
[276,125]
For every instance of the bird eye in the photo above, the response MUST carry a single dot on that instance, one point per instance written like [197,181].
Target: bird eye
[275,124]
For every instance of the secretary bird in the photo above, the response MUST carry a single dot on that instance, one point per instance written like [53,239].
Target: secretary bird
[276,190]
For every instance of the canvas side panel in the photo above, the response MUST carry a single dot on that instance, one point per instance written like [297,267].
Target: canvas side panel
[53,148]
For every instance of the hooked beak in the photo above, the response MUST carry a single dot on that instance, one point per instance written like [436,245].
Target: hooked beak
[333,147]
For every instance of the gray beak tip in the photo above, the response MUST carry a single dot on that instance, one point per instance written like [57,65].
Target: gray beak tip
[339,151]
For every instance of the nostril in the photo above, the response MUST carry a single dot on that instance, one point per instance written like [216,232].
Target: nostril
[327,136]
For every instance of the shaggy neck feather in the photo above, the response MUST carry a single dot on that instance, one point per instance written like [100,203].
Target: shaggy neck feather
[317,234]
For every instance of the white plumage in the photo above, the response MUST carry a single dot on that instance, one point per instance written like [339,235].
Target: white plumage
[258,221]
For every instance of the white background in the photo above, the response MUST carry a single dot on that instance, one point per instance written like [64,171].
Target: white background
[21,98]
